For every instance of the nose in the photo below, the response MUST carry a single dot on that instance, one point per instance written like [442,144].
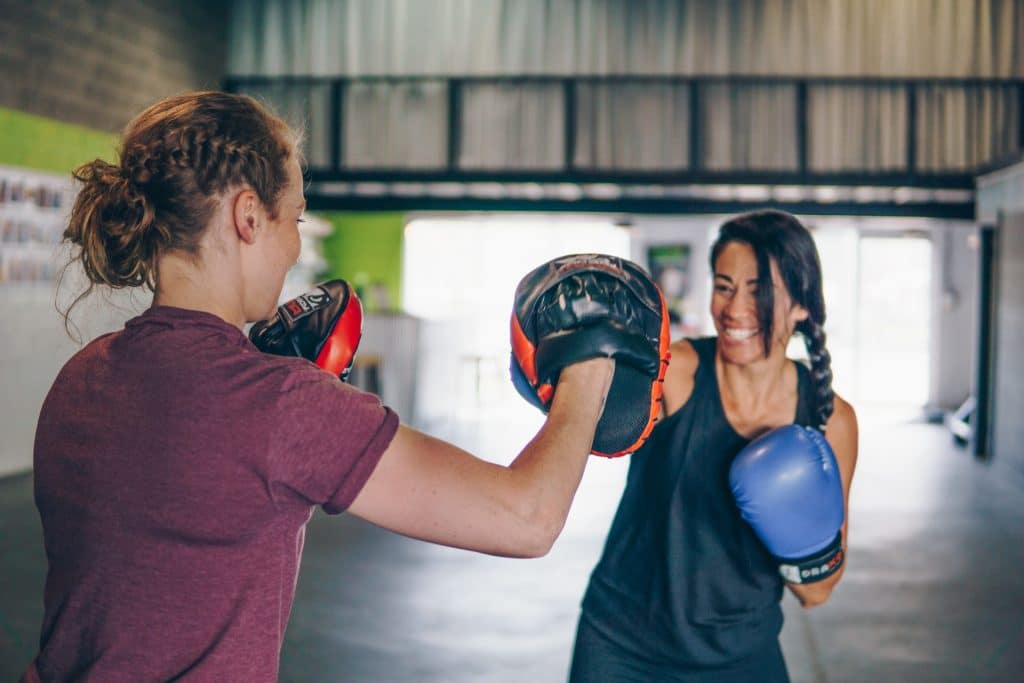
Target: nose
[741,304]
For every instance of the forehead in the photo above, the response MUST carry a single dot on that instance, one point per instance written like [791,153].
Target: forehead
[739,261]
[736,256]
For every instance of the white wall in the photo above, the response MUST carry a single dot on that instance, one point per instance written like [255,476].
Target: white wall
[954,313]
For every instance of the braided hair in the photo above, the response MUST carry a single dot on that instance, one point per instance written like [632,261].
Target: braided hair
[175,159]
[778,236]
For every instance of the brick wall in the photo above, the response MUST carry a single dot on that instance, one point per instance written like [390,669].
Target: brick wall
[97,63]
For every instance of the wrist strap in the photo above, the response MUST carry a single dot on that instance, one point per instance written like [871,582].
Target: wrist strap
[814,567]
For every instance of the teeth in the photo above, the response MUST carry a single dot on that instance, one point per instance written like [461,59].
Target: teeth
[740,334]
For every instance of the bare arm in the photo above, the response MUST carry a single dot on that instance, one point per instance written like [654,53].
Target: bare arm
[428,489]
[679,378]
[841,433]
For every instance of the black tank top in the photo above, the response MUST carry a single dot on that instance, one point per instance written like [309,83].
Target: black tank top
[683,580]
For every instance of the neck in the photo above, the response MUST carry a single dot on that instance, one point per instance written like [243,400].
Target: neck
[183,283]
[755,385]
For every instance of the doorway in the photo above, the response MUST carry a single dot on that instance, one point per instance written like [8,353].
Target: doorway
[894,292]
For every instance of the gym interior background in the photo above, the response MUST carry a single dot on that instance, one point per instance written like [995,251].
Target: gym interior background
[453,145]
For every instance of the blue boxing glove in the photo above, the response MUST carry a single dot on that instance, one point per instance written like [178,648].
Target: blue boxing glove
[788,488]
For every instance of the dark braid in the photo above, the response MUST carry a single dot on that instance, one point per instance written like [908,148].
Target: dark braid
[821,368]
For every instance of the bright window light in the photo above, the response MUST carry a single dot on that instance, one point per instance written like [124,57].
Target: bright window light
[469,267]
[459,278]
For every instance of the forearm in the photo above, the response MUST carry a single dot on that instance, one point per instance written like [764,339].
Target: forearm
[429,489]
[817,593]
[842,436]
[548,471]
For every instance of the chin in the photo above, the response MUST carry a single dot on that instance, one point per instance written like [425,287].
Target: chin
[262,312]
[740,352]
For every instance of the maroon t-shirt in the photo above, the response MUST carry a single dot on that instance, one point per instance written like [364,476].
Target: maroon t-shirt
[176,467]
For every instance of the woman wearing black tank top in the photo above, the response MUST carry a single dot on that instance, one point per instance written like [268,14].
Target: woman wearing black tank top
[684,590]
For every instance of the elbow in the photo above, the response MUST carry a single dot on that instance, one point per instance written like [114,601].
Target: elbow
[533,516]
[541,534]
[815,598]
[813,595]
[530,545]
[537,547]
[538,531]
[547,533]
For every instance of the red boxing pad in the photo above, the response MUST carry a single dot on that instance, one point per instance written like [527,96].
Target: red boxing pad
[323,325]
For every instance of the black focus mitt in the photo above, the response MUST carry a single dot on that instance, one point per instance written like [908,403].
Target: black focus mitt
[323,325]
[586,306]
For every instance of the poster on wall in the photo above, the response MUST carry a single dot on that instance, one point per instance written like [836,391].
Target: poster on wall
[34,208]
[670,267]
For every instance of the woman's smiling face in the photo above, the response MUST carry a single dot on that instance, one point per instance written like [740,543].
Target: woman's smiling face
[734,307]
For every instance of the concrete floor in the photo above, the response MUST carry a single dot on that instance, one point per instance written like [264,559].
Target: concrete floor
[934,590]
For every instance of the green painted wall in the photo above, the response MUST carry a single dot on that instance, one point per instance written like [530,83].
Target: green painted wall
[43,144]
[366,250]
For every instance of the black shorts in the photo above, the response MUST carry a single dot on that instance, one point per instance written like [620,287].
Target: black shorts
[596,659]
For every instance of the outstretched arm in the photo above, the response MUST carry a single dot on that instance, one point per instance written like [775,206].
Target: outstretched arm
[428,489]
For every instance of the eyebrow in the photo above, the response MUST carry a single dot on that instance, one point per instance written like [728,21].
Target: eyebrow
[730,280]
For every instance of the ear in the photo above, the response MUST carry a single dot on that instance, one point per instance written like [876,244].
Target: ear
[247,214]
[797,314]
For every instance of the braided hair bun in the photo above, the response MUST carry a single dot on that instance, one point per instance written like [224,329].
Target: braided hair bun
[176,158]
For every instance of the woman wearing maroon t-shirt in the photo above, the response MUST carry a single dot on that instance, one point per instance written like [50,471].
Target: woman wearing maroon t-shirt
[176,466]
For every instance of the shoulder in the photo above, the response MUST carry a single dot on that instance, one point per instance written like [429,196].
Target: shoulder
[299,382]
[302,404]
[684,356]
[97,348]
[270,369]
[320,437]
[75,371]
[844,419]
[679,378]
[292,379]
[841,433]
[282,384]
